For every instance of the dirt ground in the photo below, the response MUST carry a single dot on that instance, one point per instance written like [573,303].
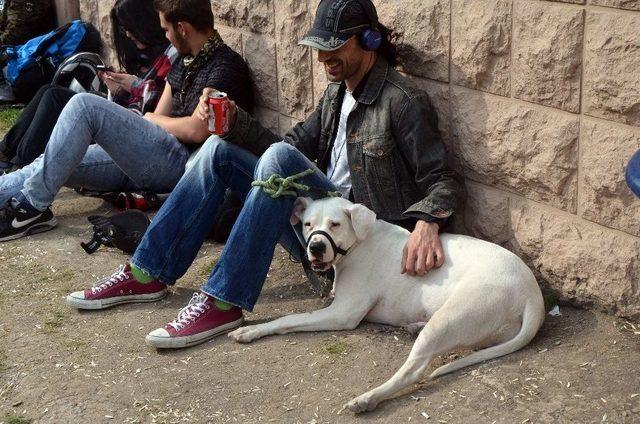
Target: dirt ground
[63,366]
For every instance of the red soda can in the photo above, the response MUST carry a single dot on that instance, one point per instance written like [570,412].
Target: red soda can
[218,113]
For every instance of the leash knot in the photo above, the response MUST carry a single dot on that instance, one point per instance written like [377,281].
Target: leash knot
[277,185]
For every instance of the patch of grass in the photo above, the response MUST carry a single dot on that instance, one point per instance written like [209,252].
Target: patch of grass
[8,118]
[53,322]
[73,344]
[11,418]
[205,270]
[336,348]
[550,298]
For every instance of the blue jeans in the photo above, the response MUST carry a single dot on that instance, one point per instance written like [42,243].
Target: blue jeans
[172,241]
[130,153]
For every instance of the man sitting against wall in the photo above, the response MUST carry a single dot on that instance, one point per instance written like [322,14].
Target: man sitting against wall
[373,138]
[130,152]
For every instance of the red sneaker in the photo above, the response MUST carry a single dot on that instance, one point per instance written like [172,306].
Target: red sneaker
[117,289]
[197,322]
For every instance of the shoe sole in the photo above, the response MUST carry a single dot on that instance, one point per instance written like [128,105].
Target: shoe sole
[188,341]
[38,228]
[114,301]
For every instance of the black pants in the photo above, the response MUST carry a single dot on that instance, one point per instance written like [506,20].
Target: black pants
[27,139]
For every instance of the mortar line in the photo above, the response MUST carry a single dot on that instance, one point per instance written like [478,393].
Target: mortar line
[579,188]
[548,208]
[511,48]
[593,7]
[450,39]
[275,47]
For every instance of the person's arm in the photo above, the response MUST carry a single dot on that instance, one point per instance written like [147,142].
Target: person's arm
[421,145]
[165,103]
[119,79]
[248,133]
[187,129]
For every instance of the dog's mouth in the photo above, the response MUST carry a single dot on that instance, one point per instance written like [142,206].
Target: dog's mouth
[317,265]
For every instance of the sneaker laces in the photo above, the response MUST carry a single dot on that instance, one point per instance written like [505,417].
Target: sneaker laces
[196,307]
[117,277]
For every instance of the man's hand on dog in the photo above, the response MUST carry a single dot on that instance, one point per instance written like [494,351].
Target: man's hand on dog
[423,250]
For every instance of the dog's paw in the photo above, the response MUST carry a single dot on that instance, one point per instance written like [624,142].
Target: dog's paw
[245,334]
[362,403]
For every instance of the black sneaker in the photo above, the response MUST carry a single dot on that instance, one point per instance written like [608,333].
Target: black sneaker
[16,221]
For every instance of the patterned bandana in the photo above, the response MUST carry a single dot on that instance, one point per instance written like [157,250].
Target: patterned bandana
[192,64]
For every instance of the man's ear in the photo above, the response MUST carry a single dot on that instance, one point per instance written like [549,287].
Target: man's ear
[181,28]
[299,207]
[362,219]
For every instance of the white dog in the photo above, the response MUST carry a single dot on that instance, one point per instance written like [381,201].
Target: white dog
[483,297]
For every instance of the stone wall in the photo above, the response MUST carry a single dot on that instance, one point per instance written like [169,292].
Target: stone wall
[66,11]
[539,101]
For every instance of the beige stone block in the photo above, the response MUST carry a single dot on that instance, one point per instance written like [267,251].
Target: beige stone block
[421,33]
[231,37]
[260,54]
[612,67]
[568,1]
[619,4]
[531,151]
[251,15]
[293,20]
[481,44]
[66,11]
[286,123]
[89,11]
[605,197]
[268,118]
[588,265]
[547,54]
[487,213]
[106,31]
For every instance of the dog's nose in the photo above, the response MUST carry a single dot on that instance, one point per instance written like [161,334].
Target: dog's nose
[317,248]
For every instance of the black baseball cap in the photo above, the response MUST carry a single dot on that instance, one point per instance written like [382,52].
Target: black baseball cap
[338,20]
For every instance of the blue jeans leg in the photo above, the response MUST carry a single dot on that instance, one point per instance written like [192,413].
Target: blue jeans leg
[176,233]
[148,155]
[240,273]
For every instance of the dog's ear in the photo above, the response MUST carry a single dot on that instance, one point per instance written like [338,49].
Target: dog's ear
[362,219]
[298,209]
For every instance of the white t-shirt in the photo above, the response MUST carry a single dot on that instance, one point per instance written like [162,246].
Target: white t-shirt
[338,169]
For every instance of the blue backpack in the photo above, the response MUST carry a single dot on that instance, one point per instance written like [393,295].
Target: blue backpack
[31,65]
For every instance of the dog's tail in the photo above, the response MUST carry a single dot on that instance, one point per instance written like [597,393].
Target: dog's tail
[532,319]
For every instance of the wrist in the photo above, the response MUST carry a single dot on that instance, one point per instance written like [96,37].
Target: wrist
[427,224]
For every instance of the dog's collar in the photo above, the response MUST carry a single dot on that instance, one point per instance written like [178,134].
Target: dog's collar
[336,249]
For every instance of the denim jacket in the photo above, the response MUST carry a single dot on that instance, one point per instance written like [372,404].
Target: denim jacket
[396,156]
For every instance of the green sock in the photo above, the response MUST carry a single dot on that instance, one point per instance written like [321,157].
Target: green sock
[222,305]
[140,275]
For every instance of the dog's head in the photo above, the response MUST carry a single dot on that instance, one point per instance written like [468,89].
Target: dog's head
[329,226]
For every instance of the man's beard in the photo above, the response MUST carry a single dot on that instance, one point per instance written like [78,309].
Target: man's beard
[181,44]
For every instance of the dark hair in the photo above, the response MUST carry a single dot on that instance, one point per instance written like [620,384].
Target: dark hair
[196,12]
[387,50]
[141,20]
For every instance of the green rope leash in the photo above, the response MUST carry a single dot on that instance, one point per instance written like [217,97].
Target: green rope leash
[277,186]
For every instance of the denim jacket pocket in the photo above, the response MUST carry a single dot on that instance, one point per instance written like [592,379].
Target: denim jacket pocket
[379,161]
